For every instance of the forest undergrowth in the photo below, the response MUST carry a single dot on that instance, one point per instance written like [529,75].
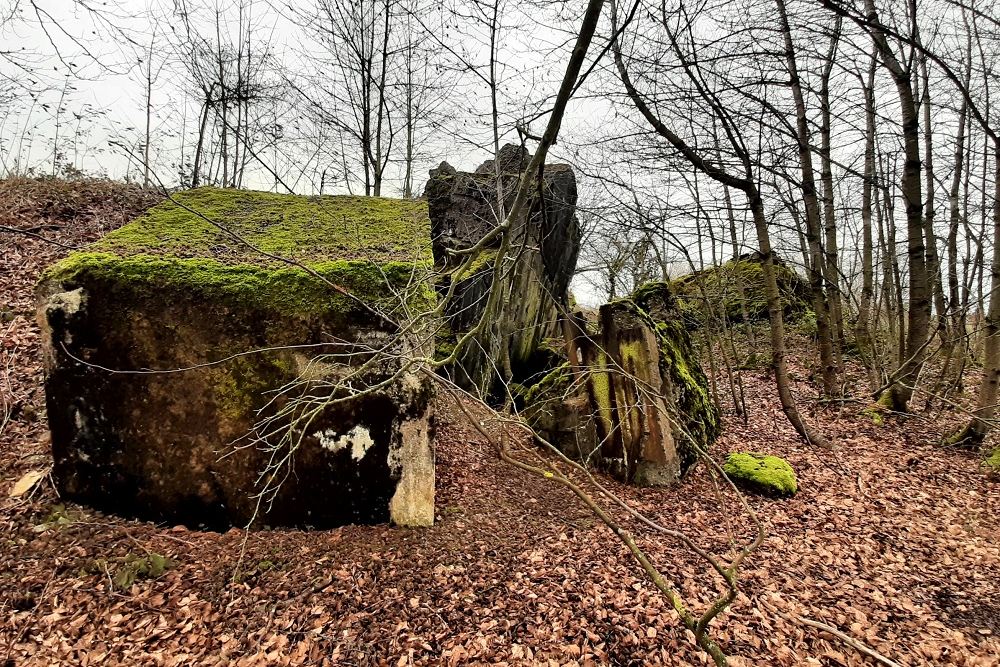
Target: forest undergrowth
[892,539]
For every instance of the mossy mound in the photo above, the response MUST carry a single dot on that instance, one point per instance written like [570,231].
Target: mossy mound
[761,473]
[737,291]
[242,247]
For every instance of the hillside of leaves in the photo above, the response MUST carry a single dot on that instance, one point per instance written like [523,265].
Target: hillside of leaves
[892,540]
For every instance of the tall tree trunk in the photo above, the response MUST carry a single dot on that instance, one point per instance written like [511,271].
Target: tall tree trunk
[862,329]
[774,312]
[408,175]
[897,395]
[832,265]
[959,176]
[975,431]
[381,160]
[954,221]
[954,342]
[149,111]
[933,262]
[812,212]
[200,145]
[887,246]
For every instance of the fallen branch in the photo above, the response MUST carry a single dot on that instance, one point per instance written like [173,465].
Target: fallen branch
[29,233]
[850,641]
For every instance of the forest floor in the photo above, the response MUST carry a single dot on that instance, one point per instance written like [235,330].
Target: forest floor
[893,540]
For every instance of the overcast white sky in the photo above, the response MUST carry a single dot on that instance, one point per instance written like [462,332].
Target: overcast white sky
[92,95]
[103,100]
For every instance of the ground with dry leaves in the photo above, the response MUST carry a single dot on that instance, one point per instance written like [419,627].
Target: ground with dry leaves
[893,540]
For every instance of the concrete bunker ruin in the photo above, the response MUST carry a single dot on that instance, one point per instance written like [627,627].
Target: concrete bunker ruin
[197,358]
[177,346]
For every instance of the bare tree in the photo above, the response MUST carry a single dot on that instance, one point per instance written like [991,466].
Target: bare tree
[744,181]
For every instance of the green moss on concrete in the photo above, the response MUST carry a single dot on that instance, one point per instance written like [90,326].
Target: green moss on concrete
[531,302]
[244,381]
[484,260]
[805,324]
[600,389]
[305,229]
[630,353]
[721,286]
[286,289]
[444,346]
[760,473]
[551,386]
[369,247]
[698,411]
[655,304]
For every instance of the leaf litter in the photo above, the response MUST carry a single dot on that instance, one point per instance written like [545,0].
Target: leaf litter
[893,541]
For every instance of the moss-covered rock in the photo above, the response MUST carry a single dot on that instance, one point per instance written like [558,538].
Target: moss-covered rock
[171,340]
[544,244]
[736,290]
[761,473]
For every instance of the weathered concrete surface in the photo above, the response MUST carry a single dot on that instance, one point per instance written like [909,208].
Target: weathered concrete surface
[635,401]
[736,290]
[463,209]
[171,292]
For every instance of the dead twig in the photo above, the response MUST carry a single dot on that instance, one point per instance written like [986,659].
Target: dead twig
[847,639]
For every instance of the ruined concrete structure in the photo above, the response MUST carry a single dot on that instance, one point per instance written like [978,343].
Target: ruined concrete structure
[198,359]
[463,208]
[230,327]
[635,400]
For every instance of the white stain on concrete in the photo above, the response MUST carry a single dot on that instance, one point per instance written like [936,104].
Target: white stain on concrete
[358,440]
[69,302]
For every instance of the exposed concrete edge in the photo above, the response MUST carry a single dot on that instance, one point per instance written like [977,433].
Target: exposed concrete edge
[413,502]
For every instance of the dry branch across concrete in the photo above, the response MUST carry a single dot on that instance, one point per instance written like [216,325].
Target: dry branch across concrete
[180,348]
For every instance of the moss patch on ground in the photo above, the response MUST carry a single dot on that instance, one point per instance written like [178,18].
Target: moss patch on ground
[992,462]
[126,571]
[875,412]
[761,473]
[369,247]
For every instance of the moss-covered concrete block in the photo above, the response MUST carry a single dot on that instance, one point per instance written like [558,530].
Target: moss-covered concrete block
[736,290]
[647,411]
[181,348]
[761,473]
